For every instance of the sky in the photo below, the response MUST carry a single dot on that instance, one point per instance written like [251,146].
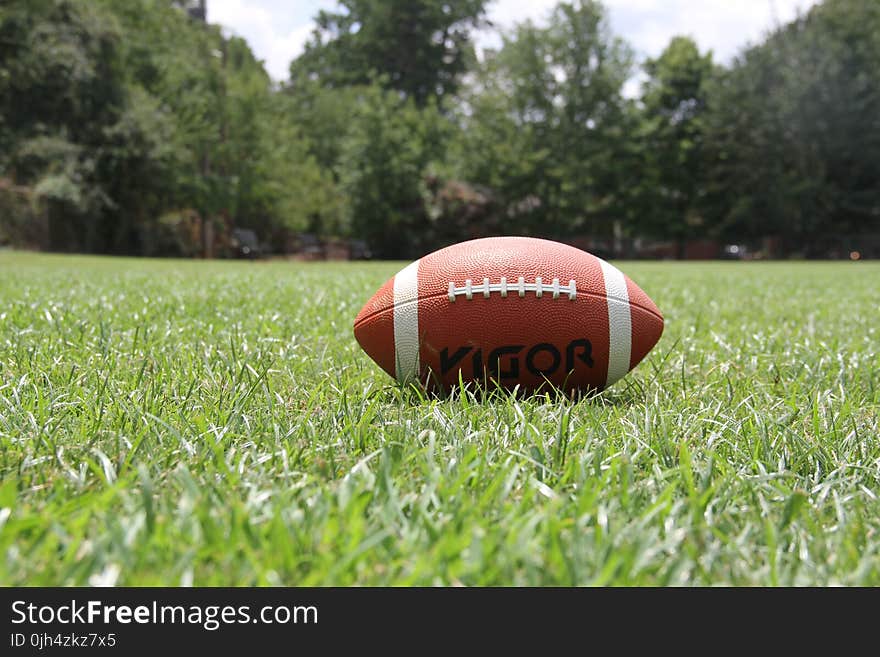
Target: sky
[277,29]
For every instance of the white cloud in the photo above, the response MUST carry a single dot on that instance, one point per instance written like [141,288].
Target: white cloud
[506,13]
[276,33]
[724,26]
[283,50]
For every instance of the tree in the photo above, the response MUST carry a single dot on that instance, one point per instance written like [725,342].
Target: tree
[387,155]
[419,47]
[496,146]
[324,115]
[794,132]
[290,189]
[668,192]
[119,112]
[70,131]
[549,120]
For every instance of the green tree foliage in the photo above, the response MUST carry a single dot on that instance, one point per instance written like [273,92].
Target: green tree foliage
[496,147]
[325,115]
[419,47]
[133,127]
[118,112]
[64,107]
[386,159]
[245,157]
[667,194]
[367,92]
[544,123]
[795,129]
[295,192]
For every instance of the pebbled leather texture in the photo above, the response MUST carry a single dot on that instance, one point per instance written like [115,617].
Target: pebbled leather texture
[523,341]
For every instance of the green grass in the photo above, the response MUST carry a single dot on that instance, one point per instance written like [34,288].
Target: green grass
[169,422]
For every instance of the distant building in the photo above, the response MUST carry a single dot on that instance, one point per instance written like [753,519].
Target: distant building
[196,9]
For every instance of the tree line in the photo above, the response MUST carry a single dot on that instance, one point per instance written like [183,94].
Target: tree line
[127,126]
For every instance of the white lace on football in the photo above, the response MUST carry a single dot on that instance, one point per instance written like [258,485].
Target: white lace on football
[520,287]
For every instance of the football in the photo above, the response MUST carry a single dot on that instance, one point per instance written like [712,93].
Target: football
[509,311]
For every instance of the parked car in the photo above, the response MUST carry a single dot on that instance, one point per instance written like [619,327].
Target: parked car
[245,243]
[735,252]
[359,250]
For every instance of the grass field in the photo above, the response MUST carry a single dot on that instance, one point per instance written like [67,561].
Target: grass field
[214,423]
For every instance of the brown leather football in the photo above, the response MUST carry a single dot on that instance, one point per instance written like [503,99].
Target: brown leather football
[515,311]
